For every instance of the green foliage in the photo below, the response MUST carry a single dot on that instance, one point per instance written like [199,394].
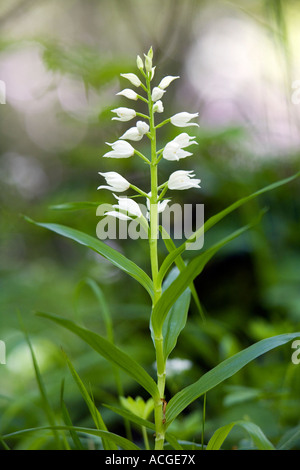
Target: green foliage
[221,308]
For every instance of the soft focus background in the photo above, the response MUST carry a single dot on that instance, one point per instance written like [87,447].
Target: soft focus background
[61,62]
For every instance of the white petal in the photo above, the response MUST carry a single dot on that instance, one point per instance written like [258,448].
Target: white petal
[162,205]
[115,181]
[165,82]
[157,93]
[121,149]
[132,134]
[124,114]
[118,215]
[142,127]
[184,140]
[128,205]
[134,79]
[158,107]
[182,119]
[128,93]
[183,179]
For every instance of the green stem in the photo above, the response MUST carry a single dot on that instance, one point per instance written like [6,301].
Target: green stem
[139,154]
[158,338]
[145,437]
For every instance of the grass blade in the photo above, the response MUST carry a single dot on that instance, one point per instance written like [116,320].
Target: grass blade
[255,432]
[68,422]
[116,258]
[222,372]
[95,413]
[119,440]
[109,352]
[45,402]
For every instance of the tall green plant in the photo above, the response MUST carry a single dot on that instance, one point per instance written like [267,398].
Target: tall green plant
[169,290]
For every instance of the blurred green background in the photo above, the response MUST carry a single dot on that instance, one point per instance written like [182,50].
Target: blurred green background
[61,62]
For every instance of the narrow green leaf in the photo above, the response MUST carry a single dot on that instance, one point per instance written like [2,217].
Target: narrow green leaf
[221,372]
[255,432]
[44,398]
[116,258]
[215,219]
[219,437]
[290,439]
[184,279]
[104,309]
[68,422]
[257,435]
[143,422]
[177,316]
[180,265]
[5,446]
[173,442]
[95,413]
[74,206]
[131,416]
[119,440]
[110,352]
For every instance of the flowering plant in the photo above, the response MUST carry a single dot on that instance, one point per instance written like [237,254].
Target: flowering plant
[170,288]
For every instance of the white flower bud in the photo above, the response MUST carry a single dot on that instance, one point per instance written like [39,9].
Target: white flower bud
[157,93]
[128,93]
[121,149]
[182,179]
[142,127]
[124,114]
[134,79]
[152,72]
[182,119]
[136,133]
[158,107]
[150,53]
[129,206]
[132,134]
[148,64]
[165,82]
[139,63]
[115,181]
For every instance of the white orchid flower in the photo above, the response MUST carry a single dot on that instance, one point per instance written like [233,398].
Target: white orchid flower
[157,93]
[129,206]
[158,107]
[132,134]
[173,151]
[115,182]
[161,206]
[120,149]
[134,79]
[124,114]
[183,119]
[136,133]
[185,140]
[165,82]
[183,179]
[128,93]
